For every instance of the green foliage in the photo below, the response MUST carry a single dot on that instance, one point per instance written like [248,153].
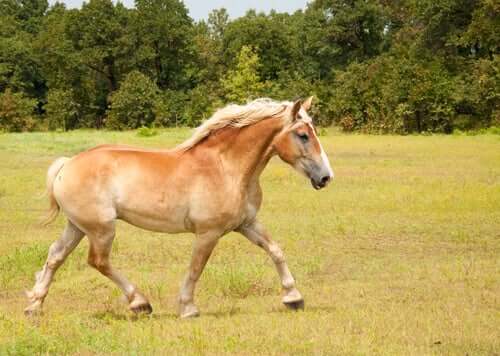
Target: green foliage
[271,37]
[28,13]
[494,130]
[243,82]
[378,66]
[291,85]
[169,108]
[145,131]
[19,68]
[163,29]
[482,33]
[132,106]
[61,110]
[202,102]
[337,33]
[393,95]
[16,112]
[483,89]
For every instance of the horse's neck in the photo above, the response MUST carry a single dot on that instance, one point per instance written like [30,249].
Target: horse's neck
[245,152]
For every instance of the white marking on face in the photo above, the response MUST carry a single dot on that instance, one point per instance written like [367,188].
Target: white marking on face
[326,162]
[324,158]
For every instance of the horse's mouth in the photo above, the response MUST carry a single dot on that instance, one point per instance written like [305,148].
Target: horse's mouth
[317,185]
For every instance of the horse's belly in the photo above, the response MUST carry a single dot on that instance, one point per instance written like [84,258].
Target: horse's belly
[170,221]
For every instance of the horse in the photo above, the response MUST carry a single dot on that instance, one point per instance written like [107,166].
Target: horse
[208,185]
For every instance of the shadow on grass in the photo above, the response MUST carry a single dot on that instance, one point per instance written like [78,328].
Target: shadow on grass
[227,313]
[307,309]
[129,316]
[281,310]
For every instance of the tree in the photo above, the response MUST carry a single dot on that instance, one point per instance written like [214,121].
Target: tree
[19,68]
[55,51]
[61,110]
[217,23]
[101,43]
[133,105]
[337,33]
[16,112]
[29,13]
[482,34]
[442,22]
[391,94]
[164,29]
[374,65]
[243,82]
[268,36]
[482,91]
[207,65]
[207,44]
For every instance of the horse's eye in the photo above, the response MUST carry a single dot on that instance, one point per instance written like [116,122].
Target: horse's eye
[303,137]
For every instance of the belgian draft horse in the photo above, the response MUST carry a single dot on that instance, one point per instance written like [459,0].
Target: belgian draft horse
[208,185]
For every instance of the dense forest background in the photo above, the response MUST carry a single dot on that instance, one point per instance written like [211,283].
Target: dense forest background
[396,66]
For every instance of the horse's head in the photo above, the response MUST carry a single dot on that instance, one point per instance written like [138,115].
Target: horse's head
[299,146]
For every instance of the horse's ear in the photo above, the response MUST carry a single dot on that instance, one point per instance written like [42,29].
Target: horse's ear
[308,103]
[295,109]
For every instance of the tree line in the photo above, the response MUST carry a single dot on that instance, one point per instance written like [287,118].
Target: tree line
[384,66]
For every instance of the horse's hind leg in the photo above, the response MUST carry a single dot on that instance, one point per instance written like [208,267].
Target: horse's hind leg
[58,252]
[100,249]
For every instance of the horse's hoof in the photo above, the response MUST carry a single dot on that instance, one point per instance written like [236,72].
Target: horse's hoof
[31,312]
[295,305]
[189,311]
[190,315]
[145,308]
[35,308]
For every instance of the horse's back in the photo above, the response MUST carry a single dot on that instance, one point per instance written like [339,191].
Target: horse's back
[122,147]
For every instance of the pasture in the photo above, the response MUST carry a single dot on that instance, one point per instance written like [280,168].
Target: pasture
[399,255]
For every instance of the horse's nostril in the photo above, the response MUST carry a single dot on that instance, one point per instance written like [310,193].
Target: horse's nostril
[325,180]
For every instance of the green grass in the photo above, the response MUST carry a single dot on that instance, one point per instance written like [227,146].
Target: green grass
[400,255]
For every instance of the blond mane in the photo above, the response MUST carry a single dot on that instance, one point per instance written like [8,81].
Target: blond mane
[237,116]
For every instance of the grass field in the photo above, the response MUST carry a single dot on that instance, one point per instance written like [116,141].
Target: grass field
[399,256]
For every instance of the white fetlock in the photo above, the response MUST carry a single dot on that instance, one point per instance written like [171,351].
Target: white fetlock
[35,306]
[188,310]
[292,296]
[137,299]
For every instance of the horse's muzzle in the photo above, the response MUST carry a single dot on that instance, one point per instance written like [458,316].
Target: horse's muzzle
[320,183]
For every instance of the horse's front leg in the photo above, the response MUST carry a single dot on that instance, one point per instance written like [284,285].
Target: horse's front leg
[203,247]
[256,233]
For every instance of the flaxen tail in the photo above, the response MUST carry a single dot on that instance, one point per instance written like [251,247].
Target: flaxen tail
[54,169]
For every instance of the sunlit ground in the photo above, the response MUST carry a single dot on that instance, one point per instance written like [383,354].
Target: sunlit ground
[400,255]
